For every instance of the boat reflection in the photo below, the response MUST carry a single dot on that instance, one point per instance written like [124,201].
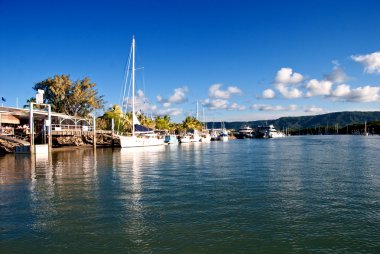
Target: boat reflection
[133,169]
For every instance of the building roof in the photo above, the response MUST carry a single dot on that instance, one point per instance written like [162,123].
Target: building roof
[23,113]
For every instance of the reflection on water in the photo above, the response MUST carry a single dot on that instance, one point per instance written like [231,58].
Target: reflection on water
[133,163]
[316,194]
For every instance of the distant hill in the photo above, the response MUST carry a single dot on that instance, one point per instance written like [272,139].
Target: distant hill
[302,122]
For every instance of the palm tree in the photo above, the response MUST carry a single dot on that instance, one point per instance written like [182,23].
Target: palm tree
[192,123]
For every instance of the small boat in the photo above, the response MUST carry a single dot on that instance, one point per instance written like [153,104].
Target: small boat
[191,137]
[195,137]
[185,139]
[214,135]
[245,132]
[171,139]
[223,135]
[205,137]
[268,131]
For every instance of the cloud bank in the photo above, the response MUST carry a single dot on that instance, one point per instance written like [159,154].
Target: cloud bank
[215,92]
[267,107]
[371,62]
[286,82]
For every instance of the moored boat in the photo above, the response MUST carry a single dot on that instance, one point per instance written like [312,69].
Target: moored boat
[171,139]
[223,135]
[185,139]
[245,132]
[268,131]
[141,136]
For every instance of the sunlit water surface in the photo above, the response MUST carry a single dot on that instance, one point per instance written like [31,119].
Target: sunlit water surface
[296,194]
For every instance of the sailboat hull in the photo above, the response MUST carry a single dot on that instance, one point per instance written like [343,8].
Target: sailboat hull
[132,141]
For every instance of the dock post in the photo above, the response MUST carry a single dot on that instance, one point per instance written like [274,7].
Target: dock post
[50,141]
[113,132]
[31,128]
[94,131]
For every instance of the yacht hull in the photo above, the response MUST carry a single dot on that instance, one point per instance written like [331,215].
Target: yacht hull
[126,142]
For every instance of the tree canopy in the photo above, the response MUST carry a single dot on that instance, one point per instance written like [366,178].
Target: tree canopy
[77,98]
[163,123]
[121,122]
[192,123]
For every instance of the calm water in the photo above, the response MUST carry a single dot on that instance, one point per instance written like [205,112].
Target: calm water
[297,194]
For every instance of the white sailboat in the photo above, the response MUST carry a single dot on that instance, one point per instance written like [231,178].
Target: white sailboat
[223,135]
[142,137]
[365,129]
[205,135]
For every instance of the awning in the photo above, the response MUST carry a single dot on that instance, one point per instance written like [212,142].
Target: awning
[9,119]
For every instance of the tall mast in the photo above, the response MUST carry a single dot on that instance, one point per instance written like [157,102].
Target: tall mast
[203,115]
[133,86]
[197,110]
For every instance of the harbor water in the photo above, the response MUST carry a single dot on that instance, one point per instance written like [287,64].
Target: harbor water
[288,195]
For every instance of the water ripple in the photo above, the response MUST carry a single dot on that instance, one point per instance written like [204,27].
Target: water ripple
[297,194]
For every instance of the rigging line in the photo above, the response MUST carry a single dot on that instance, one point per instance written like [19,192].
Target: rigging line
[138,59]
[129,81]
[126,67]
[126,75]
[143,80]
[122,94]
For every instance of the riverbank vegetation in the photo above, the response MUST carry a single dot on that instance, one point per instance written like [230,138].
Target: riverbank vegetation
[123,122]
[80,98]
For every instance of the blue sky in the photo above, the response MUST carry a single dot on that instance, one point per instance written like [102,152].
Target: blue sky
[242,60]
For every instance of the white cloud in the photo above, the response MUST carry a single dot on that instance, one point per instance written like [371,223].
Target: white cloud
[289,92]
[215,92]
[371,62]
[166,104]
[287,76]
[285,81]
[143,105]
[215,104]
[169,111]
[268,94]
[316,87]
[234,90]
[364,94]
[341,91]
[178,96]
[235,106]
[313,109]
[267,107]
[359,94]
[337,75]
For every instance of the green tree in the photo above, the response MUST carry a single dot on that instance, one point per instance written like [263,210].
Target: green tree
[146,121]
[163,123]
[120,119]
[28,101]
[192,123]
[72,98]
[177,128]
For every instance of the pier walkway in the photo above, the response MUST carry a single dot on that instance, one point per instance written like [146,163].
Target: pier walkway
[15,140]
